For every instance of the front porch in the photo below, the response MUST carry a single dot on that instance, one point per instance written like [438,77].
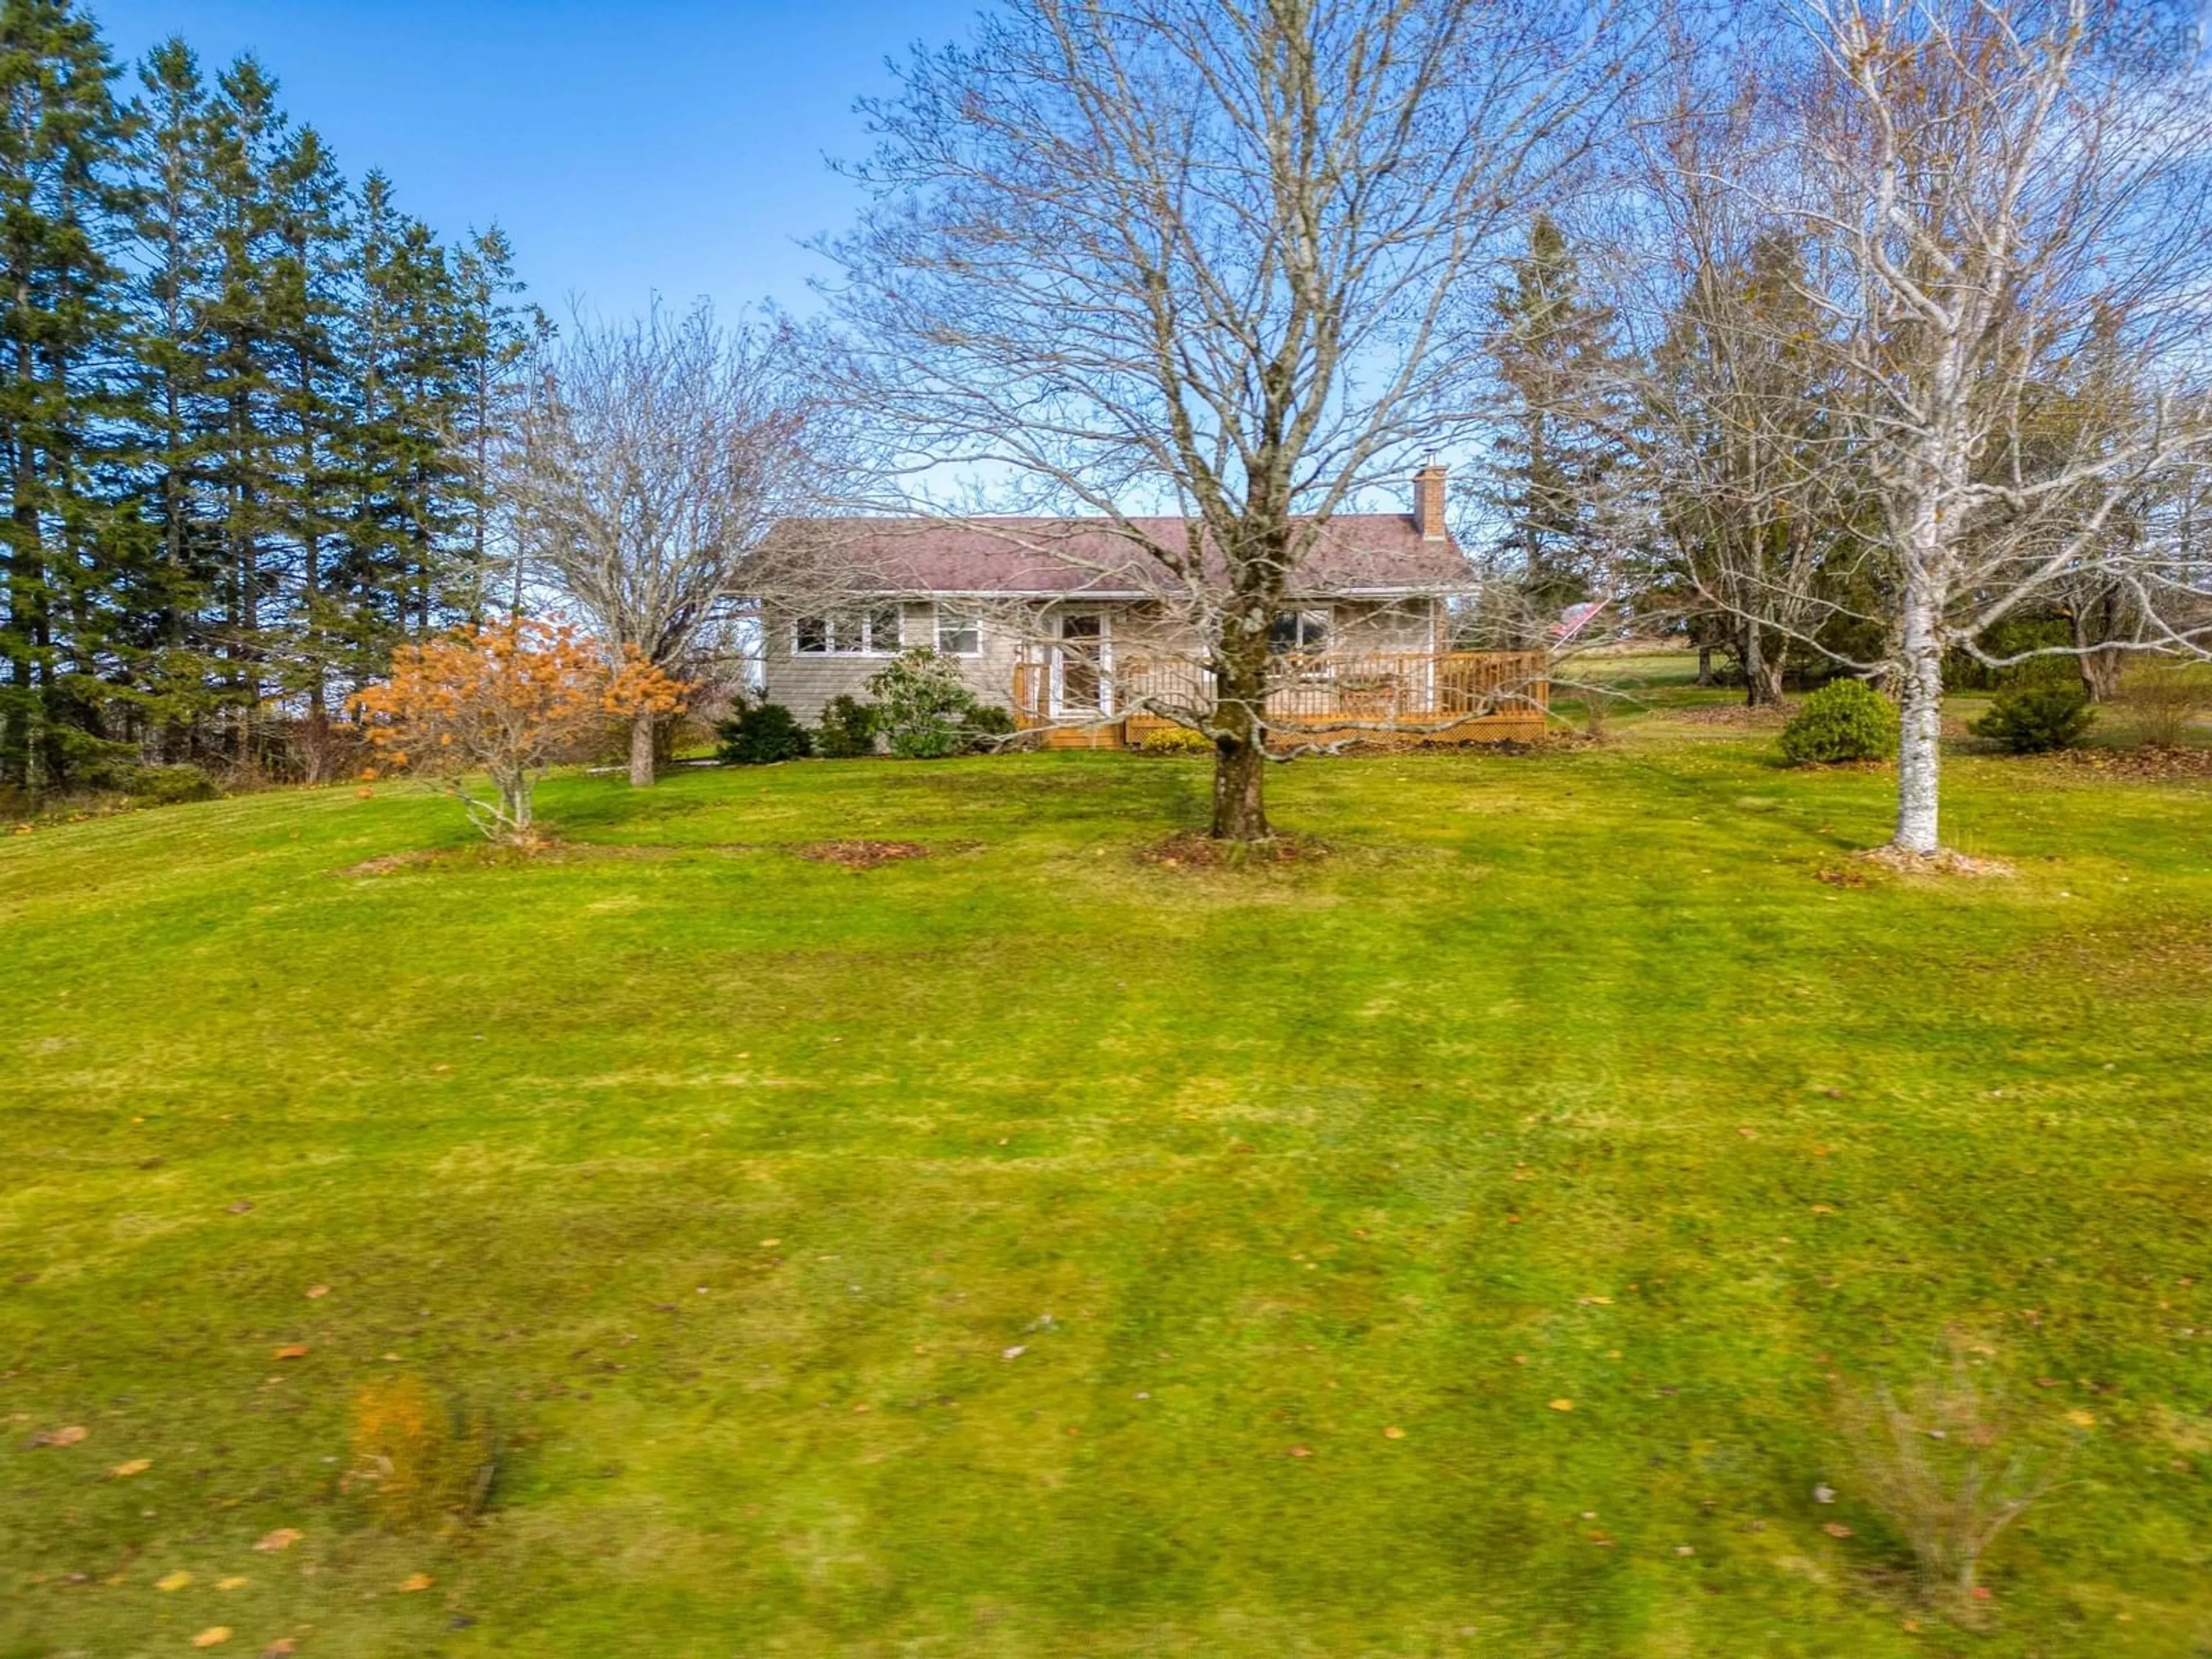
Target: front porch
[1076,697]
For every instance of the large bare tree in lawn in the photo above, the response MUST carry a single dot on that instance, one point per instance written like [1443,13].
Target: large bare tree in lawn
[654,457]
[2018,194]
[1226,258]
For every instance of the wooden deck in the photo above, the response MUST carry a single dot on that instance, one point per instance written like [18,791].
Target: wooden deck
[1390,699]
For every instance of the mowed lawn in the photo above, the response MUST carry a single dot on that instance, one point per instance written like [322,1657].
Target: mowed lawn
[1030,1249]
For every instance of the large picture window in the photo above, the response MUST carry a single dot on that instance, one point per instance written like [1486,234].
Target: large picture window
[873,632]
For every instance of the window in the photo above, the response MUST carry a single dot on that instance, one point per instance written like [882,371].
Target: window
[957,635]
[1298,630]
[874,632]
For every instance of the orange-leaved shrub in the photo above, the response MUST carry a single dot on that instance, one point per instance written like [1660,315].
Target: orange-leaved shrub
[507,699]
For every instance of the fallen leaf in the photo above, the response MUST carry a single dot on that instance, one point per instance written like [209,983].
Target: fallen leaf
[1835,1529]
[241,1208]
[1394,1433]
[1014,1353]
[175,1581]
[282,1539]
[315,1291]
[769,1244]
[2082,1420]
[279,1648]
[213,1636]
[234,1582]
[1824,1493]
[1595,1301]
[1563,1405]
[136,1466]
[1520,1358]
[1301,1451]
[62,1436]
[1983,1592]
[415,1581]
[1824,1209]
[291,1351]
[1684,1549]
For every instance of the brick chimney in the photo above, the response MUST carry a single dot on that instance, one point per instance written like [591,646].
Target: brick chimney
[1429,501]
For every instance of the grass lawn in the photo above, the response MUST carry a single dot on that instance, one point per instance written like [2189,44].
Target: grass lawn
[726,1182]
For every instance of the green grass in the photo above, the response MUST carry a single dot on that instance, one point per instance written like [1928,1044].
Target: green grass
[1553,1057]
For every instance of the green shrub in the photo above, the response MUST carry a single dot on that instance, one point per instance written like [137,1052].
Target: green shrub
[923,709]
[2162,700]
[1174,740]
[2032,719]
[848,730]
[1844,720]
[761,734]
[987,723]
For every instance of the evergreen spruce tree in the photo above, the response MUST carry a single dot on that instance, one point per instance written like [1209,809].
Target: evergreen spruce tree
[247,138]
[173,231]
[58,199]
[1554,351]
[497,337]
[247,415]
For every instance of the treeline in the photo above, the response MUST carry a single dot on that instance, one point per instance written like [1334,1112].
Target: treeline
[246,409]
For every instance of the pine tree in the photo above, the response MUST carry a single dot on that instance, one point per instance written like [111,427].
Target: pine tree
[173,230]
[57,288]
[305,312]
[496,340]
[247,138]
[1554,351]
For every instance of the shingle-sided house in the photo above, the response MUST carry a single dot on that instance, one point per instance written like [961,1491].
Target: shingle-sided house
[1073,628]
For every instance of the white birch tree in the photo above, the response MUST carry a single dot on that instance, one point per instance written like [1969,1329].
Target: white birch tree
[2018,193]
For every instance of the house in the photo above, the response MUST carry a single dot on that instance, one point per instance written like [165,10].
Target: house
[1086,638]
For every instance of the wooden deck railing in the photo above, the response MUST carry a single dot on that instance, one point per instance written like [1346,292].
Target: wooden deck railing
[1388,691]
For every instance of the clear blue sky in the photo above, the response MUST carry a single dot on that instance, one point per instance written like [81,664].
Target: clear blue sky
[668,146]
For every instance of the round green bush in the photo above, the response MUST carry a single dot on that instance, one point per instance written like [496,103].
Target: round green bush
[761,734]
[1844,720]
[2035,719]
[848,730]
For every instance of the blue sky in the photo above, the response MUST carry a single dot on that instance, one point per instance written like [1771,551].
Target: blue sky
[668,146]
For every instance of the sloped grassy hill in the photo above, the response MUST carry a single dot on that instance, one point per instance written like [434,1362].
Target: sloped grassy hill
[1031,1248]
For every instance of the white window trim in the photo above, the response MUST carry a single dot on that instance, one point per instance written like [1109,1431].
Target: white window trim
[1326,612]
[867,616]
[939,616]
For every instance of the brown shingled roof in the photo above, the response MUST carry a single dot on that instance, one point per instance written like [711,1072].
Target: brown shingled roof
[1380,553]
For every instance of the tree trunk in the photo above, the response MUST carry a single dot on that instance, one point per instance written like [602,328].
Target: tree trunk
[1240,767]
[1704,664]
[1921,695]
[2101,671]
[1762,679]
[1240,812]
[640,749]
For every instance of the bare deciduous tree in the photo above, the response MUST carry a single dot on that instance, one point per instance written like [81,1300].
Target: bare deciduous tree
[1232,262]
[655,456]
